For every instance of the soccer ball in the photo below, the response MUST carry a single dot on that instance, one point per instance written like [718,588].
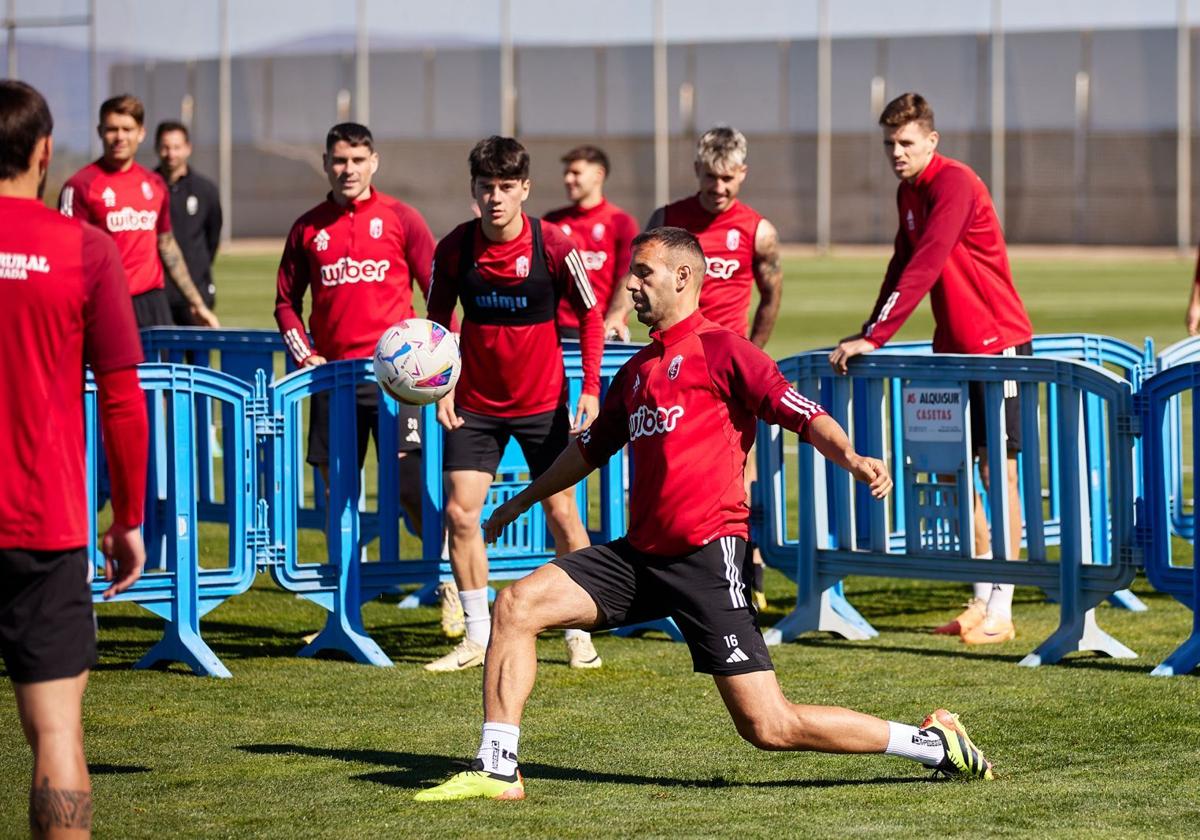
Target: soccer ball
[417,361]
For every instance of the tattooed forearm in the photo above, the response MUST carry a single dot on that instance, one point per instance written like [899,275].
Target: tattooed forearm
[56,808]
[177,270]
[768,277]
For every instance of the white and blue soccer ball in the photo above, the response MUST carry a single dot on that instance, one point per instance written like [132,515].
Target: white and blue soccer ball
[417,361]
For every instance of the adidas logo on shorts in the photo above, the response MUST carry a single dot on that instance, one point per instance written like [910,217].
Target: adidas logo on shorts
[737,656]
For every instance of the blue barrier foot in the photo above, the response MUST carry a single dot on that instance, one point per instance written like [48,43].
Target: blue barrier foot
[425,596]
[1075,636]
[1127,600]
[184,645]
[665,625]
[1183,661]
[339,635]
[839,616]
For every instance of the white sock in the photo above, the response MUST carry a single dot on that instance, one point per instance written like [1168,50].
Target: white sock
[478,617]
[498,748]
[983,591]
[915,744]
[576,634]
[1000,601]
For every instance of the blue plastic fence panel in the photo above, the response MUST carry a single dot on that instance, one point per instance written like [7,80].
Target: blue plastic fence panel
[1181,511]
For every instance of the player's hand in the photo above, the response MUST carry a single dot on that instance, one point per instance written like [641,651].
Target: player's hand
[1193,318]
[446,414]
[872,472]
[313,360]
[205,317]
[847,349]
[615,328]
[124,558]
[585,412]
[501,518]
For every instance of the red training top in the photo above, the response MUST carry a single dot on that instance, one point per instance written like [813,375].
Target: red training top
[686,404]
[65,300]
[950,244]
[360,261]
[133,206]
[728,243]
[512,362]
[602,235]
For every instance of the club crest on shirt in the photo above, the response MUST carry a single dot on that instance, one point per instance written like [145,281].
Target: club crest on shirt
[376,229]
[673,370]
[193,205]
[566,229]
[110,197]
[912,223]
[598,231]
[637,383]
[321,240]
[522,266]
[733,239]
[147,190]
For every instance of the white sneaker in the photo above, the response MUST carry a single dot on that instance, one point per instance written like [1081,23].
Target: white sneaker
[581,653]
[454,622]
[468,654]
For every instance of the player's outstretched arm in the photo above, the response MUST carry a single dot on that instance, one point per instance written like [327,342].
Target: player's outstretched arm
[568,469]
[177,273]
[828,438]
[768,277]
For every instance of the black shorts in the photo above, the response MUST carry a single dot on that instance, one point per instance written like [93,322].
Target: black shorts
[568,333]
[703,591]
[367,405]
[479,443]
[1012,408]
[47,625]
[150,309]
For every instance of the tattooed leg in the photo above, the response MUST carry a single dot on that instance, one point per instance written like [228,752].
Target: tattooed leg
[53,810]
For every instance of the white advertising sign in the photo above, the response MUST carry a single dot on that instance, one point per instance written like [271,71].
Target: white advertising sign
[933,415]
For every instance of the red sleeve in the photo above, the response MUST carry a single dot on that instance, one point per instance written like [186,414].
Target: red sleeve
[290,284]
[164,210]
[126,442]
[746,375]
[418,249]
[443,284]
[72,200]
[901,254]
[951,200]
[111,339]
[566,265]
[610,430]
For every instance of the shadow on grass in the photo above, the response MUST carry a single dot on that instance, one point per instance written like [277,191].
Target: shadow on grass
[116,769]
[418,771]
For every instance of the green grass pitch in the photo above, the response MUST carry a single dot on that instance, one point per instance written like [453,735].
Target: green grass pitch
[643,748]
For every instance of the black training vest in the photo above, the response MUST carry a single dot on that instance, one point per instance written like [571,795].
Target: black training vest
[532,301]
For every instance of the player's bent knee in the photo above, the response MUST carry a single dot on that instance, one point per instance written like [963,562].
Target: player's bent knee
[516,609]
[461,519]
[764,733]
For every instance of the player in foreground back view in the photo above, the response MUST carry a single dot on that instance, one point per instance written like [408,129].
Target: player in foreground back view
[65,301]
[686,405]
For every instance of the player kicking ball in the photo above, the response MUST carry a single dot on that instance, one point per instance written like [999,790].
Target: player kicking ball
[678,404]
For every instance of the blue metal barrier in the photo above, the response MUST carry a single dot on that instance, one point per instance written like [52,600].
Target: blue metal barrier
[830,545]
[1158,405]
[1181,514]
[183,591]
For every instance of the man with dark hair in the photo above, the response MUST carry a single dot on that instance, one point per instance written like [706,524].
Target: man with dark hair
[686,406]
[195,215]
[601,231]
[118,195]
[511,273]
[951,247]
[66,302]
[359,251]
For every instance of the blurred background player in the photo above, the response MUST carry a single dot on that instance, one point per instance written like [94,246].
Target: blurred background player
[600,231]
[358,252]
[951,247]
[195,216]
[511,272]
[65,302]
[131,203]
[742,253]
[687,537]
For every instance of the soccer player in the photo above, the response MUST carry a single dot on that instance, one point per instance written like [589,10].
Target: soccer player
[1192,317]
[359,252]
[950,246]
[510,271]
[742,251]
[600,231]
[195,216]
[65,302]
[686,405]
[131,203]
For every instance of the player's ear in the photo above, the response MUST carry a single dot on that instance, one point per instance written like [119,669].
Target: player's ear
[933,139]
[683,276]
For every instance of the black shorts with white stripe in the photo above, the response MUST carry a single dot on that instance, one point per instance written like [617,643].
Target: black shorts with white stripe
[1012,409]
[704,592]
